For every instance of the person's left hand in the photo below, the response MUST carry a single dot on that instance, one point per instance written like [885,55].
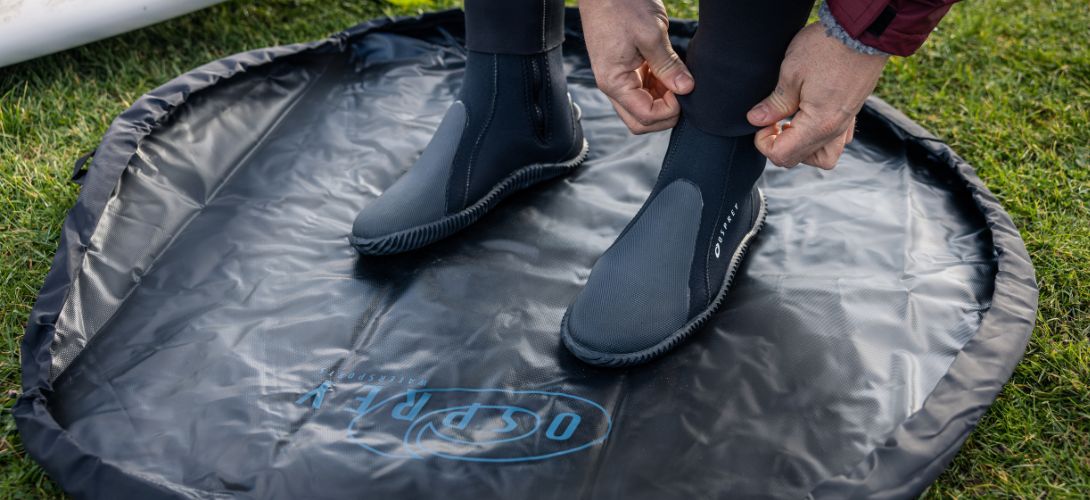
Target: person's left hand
[823,83]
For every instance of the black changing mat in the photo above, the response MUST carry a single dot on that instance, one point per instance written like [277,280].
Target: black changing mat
[207,330]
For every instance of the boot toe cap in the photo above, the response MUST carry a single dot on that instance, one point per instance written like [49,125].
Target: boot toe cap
[638,293]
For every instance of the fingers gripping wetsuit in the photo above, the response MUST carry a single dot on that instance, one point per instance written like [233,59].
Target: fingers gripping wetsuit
[736,54]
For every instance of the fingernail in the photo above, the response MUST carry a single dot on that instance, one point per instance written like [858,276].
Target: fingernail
[683,82]
[758,113]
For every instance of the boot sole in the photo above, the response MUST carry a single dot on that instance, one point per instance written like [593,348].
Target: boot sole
[426,234]
[608,359]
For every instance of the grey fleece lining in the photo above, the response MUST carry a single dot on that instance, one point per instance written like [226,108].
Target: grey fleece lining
[835,30]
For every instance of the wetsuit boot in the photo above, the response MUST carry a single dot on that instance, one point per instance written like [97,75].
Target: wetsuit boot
[513,126]
[671,267]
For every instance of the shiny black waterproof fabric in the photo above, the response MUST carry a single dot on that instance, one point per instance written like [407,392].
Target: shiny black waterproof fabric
[207,331]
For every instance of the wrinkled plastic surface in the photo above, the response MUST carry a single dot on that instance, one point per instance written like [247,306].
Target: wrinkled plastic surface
[222,337]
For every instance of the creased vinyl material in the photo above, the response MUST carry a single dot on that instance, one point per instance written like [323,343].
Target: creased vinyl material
[208,331]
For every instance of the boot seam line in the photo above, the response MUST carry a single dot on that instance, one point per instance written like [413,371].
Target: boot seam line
[484,130]
[544,23]
[546,122]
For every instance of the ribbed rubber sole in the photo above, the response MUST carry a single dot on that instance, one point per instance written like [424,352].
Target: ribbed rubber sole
[597,358]
[426,234]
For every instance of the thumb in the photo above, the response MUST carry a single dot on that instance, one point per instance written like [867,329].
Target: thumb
[797,142]
[782,103]
[667,66]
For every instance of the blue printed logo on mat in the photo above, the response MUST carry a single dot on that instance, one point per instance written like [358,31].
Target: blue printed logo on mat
[475,425]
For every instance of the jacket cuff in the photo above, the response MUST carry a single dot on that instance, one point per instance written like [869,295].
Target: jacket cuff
[835,30]
[896,27]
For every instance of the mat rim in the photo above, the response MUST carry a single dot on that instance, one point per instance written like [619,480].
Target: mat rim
[910,458]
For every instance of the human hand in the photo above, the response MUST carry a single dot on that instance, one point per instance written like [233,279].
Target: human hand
[633,62]
[824,84]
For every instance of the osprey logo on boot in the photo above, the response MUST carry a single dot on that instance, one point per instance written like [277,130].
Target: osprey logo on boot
[723,230]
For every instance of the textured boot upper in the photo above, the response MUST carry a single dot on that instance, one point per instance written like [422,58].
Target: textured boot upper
[419,186]
[641,285]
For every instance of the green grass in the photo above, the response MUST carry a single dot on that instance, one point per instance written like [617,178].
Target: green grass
[1006,83]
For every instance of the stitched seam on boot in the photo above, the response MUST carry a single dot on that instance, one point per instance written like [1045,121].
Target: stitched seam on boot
[544,14]
[545,122]
[666,162]
[450,168]
[484,129]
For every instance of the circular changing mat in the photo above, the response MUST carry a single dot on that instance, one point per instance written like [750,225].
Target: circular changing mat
[207,330]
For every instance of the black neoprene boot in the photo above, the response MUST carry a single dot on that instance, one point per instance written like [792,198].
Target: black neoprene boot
[514,125]
[669,270]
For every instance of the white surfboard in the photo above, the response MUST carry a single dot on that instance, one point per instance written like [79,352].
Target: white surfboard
[34,28]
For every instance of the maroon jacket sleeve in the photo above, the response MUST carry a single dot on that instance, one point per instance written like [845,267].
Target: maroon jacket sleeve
[895,26]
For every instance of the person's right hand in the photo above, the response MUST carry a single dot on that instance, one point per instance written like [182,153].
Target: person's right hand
[633,62]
